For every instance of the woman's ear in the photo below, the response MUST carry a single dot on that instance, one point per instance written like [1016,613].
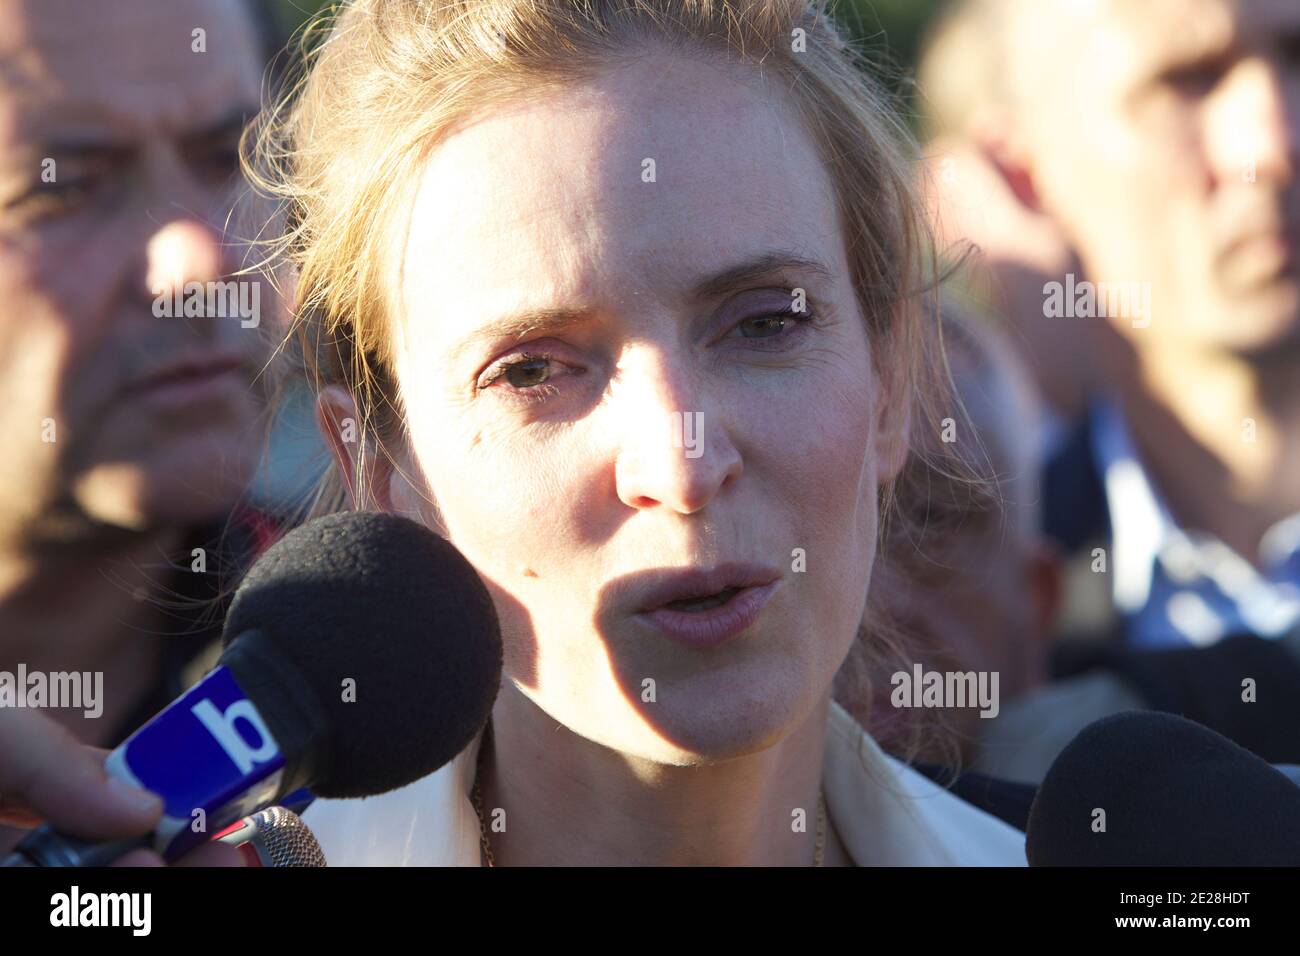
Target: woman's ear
[337,419]
[370,475]
[893,421]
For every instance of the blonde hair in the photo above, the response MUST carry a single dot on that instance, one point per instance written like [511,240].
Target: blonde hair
[383,80]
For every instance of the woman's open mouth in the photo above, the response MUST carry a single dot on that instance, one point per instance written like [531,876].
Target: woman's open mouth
[706,609]
[704,603]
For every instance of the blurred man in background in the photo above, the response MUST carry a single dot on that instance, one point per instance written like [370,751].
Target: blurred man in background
[977,589]
[1129,171]
[1161,139]
[973,199]
[126,402]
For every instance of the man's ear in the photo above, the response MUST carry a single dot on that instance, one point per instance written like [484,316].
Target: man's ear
[1003,143]
[1045,577]
[372,478]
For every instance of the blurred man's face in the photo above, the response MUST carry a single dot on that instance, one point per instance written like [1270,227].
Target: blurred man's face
[1163,134]
[117,151]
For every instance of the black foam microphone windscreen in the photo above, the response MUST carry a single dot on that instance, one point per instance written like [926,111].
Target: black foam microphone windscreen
[381,628]
[1153,789]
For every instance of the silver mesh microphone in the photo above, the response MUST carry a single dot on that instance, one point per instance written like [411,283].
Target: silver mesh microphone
[277,837]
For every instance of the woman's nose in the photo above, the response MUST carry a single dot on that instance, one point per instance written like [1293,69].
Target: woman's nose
[673,448]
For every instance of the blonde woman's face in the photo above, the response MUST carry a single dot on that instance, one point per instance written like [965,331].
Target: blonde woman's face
[606,397]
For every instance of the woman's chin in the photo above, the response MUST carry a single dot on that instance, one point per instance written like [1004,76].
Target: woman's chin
[701,727]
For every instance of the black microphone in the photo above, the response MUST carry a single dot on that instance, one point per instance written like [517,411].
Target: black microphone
[362,652]
[1152,789]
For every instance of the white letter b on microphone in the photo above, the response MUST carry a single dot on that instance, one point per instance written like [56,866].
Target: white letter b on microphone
[222,727]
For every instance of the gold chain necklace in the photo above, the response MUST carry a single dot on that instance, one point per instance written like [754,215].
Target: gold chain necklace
[476,795]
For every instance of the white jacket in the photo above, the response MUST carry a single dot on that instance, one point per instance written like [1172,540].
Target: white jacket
[886,813]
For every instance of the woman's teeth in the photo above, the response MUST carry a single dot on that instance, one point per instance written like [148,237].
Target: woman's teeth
[704,603]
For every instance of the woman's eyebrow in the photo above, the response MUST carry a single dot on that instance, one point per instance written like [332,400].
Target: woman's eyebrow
[520,324]
[758,267]
[714,284]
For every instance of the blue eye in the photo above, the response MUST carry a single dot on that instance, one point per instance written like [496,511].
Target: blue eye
[771,325]
[763,326]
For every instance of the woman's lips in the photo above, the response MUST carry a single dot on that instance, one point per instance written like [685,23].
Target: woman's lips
[713,625]
[650,590]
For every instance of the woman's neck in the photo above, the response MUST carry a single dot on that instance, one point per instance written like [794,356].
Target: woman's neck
[569,801]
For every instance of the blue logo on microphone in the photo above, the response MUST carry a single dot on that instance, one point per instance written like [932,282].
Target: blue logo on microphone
[207,749]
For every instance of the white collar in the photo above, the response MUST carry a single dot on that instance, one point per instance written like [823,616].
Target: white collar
[886,813]
[1145,537]
[1140,522]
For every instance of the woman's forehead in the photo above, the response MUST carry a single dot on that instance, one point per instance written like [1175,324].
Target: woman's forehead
[642,177]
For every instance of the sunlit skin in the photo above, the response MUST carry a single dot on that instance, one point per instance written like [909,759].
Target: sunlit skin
[558,482]
[142,132]
[1164,138]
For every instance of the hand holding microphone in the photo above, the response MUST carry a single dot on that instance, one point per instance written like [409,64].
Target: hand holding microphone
[47,775]
[362,653]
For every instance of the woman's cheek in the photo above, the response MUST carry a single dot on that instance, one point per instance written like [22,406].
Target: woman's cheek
[835,476]
[505,510]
